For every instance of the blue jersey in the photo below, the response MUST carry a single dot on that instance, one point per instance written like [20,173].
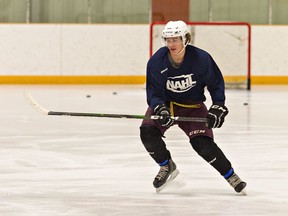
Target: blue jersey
[165,83]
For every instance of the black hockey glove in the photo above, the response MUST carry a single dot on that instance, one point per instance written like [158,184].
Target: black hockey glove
[164,112]
[216,116]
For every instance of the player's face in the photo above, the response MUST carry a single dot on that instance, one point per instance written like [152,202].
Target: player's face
[174,44]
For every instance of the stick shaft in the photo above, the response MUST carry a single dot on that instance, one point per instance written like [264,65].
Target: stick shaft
[106,115]
[44,111]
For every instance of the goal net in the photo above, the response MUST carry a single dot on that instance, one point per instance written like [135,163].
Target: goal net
[228,43]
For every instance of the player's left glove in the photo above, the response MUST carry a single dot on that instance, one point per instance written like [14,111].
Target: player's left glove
[216,116]
[164,112]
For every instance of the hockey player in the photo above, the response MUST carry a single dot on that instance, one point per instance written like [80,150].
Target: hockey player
[176,77]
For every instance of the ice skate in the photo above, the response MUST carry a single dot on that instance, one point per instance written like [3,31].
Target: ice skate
[236,182]
[166,174]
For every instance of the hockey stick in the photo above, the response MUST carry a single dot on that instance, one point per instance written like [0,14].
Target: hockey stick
[44,111]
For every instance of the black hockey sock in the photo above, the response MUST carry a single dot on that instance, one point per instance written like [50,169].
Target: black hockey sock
[209,151]
[152,140]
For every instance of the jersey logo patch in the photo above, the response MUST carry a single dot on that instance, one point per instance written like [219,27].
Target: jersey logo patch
[162,71]
[180,84]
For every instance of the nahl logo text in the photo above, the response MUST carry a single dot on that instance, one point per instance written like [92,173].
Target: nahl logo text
[180,84]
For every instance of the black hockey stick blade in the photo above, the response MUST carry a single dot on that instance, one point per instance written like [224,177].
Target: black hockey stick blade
[44,111]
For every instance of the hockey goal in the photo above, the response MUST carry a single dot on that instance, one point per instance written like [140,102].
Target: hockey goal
[229,43]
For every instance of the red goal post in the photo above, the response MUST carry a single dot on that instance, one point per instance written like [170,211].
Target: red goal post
[229,43]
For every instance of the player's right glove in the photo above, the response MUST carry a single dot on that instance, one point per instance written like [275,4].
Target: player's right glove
[164,112]
[216,116]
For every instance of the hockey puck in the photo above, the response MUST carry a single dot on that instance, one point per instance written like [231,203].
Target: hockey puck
[88,96]
[245,104]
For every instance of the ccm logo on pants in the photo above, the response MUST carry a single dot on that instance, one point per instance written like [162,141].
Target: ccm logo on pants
[197,132]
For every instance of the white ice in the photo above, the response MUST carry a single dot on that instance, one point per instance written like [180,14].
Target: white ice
[81,166]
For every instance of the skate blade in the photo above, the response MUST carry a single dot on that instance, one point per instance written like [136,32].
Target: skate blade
[173,175]
[244,192]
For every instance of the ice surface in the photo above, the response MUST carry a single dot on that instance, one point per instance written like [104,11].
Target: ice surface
[79,166]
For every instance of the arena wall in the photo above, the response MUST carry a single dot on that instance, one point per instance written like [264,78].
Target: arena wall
[111,54]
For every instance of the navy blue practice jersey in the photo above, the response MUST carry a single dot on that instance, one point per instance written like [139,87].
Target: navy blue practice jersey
[165,83]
